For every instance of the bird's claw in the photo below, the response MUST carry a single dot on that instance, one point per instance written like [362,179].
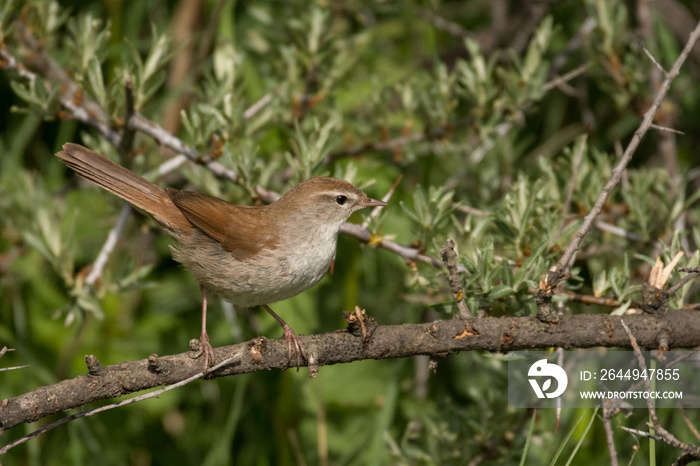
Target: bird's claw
[293,341]
[206,350]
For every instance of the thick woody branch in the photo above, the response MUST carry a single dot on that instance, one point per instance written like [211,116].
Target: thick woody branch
[440,338]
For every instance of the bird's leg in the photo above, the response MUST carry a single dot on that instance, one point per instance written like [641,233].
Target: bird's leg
[290,336]
[205,348]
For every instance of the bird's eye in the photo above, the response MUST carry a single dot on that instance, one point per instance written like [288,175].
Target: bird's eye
[341,199]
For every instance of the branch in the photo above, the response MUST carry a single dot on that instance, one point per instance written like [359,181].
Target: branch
[408,253]
[558,272]
[437,339]
[4,350]
[434,134]
[454,279]
[694,273]
[145,396]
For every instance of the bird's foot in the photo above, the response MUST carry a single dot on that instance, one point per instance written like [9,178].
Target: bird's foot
[293,342]
[205,350]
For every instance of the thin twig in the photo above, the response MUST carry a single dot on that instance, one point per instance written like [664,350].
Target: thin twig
[608,413]
[642,433]
[558,272]
[3,369]
[4,350]
[651,57]
[107,248]
[566,77]
[689,424]
[406,252]
[617,231]
[670,130]
[449,258]
[681,283]
[393,144]
[257,106]
[167,167]
[470,210]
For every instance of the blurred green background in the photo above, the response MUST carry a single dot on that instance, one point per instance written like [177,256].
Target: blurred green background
[461,99]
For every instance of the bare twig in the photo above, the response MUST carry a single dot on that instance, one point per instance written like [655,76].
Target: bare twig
[471,210]
[107,248]
[449,258]
[166,167]
[689,424]
[617,231]
[566,77]
[393,144]
[642,433]
[651,57]
[681,283]
[257,106]
[12,368]
[558,272]
[406,252]
[608,414]
[663,128]
[4,350]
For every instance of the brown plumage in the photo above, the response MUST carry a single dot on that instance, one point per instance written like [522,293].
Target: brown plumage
[248,255]
[245,231]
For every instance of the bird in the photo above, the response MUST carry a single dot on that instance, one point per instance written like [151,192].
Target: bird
[248,255]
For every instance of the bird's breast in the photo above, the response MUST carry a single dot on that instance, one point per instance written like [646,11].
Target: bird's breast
[295,265]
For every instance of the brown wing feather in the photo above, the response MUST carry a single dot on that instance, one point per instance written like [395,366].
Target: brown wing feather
[241,230]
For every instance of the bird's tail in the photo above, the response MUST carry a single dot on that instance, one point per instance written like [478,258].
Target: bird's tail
[126,184]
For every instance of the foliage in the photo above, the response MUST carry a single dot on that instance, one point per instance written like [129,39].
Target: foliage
[488,144]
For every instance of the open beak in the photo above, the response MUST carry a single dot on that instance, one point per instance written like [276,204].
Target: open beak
[369,202]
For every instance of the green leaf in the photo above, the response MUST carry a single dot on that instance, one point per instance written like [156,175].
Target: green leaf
[89,303]
[498,292]
[506,273]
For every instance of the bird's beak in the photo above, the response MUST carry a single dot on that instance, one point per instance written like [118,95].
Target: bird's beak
[369,202]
